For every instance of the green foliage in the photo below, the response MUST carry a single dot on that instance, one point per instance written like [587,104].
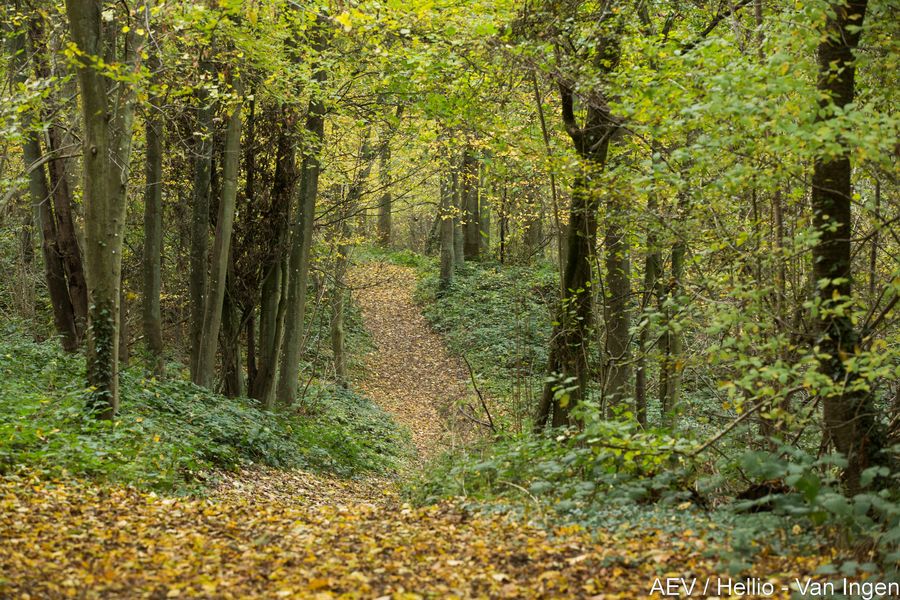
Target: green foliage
[578,475]
[403,257]
[498,317]
[173,435]
[868,521]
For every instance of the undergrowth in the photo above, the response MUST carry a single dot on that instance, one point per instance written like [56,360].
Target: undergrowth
[172,435]
[499,318]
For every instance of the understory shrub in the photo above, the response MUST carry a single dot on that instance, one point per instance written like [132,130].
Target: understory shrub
[172,434]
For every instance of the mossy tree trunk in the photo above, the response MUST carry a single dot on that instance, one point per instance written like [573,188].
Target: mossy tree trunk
[108,114]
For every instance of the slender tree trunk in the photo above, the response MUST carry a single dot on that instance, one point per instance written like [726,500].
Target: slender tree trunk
[342,260]
[39,192]
[233,384]
[273,298]
[385,201]
[469,202]
[459,254]
[152,256]
[671,342]
[338,300]
[67,241]
[560,231]
[568,357]
[618,312]
[503,217]
[60,302]
[212,317]
[850,419]
[876,239]
[124,354]
[64,227]
[203,146]
[250,332]
[301,241]
[445,216]
[484,209]
[652,268]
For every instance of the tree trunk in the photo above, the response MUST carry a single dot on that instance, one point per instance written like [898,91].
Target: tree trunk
[152,256]
[272,304]
[567,368]
[471,209]
[203,147]
[232,371]
[386,199]
[39,192]
[652,270]
[671,341]
[60,302]
[617,293]
[212,317]
[459,254]
[445,215]
[124,354]
[301,241]
[338,297]
[484,225]
[108,113]
[850,419]
[342,260]
[66,239]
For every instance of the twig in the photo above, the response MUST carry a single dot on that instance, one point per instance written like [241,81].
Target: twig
[480,396]
[738,421]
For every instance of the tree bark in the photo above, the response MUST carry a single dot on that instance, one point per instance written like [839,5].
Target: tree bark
[385,202]
[301,241]
[652,268]
[108,114]
[459,254]
[273,294]
[203,146]
[851,423]
[469,202]
[567,369]
[445,215]
[42,208]
[212,317]
[233,383]
[617,293]
[342,260]
[152,256]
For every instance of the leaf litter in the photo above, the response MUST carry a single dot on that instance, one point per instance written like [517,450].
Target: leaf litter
[266,533]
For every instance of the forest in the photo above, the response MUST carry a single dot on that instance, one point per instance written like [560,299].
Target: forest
[449,299]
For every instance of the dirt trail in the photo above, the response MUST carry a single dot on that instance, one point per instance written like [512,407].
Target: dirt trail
[409,373]
[277,534]
[290,534]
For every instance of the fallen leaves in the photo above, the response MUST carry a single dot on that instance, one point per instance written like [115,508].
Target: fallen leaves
[410,373]
[75,539]
[66,539]
[266,533]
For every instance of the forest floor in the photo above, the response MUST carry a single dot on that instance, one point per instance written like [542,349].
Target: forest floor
[267,533]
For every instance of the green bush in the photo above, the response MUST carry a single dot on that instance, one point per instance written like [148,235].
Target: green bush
[171,434]
[499,318]
[580,475]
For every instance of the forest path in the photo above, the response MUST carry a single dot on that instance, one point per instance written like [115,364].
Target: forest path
[409,373]
[267,533]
